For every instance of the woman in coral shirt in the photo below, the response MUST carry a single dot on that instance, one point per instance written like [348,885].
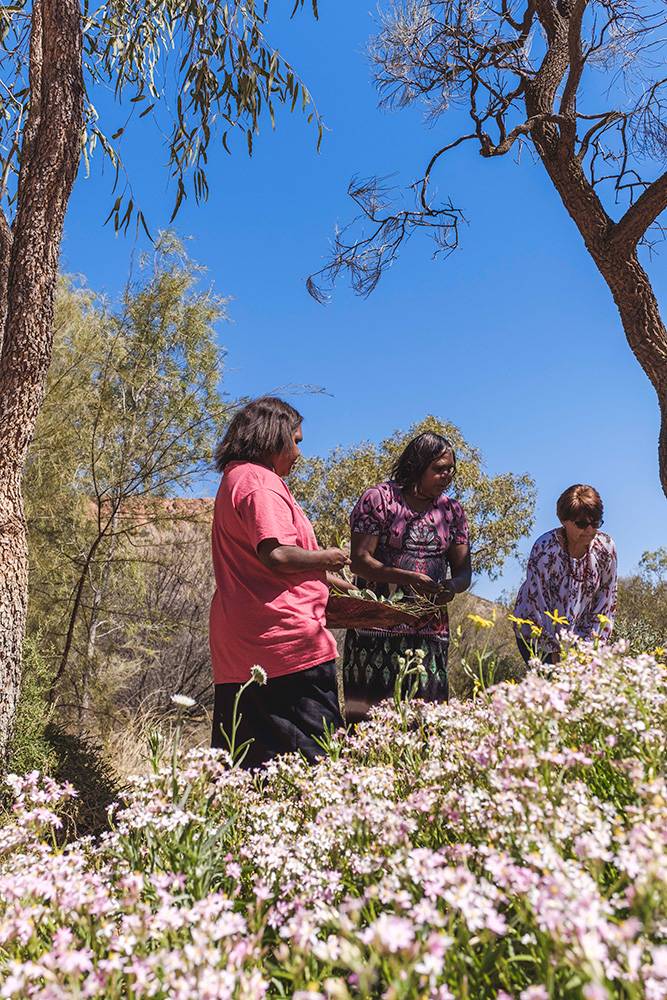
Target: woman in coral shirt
[271,592]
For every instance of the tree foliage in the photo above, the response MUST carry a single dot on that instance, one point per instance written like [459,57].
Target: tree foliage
[499,508]
[653,568]
[642,604]
[198,70]
[131,415]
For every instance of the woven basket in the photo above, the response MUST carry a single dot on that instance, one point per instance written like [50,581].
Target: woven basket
[356,612]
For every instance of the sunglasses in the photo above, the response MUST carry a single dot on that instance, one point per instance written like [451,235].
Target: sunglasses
[585,523]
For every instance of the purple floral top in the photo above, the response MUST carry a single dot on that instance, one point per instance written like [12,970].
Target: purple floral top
[412,540]
[579,589]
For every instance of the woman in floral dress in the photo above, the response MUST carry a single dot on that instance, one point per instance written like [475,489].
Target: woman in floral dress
[406,534]
[571,579]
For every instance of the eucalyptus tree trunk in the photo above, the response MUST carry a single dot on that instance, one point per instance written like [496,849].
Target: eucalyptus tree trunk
[645,332]
[613,247]
[28,270]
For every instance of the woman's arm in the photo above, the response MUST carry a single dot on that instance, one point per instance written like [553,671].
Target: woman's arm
[364,564]
[458,557]
[536,598]
[293,559]
[339,582]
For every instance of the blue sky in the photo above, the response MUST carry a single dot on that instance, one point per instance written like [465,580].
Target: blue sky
[514,337]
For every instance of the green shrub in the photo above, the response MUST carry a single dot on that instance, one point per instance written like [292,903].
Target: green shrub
[30,749]
[641,635]
[40,744]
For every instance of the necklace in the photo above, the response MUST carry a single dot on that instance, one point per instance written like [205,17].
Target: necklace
[584,559]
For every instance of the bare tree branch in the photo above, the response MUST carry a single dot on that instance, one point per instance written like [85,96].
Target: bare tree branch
[519,85]
[641,215]
[366,258]
[568,104]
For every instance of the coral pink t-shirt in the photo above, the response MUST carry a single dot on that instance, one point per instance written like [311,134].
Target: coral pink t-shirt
[259,615]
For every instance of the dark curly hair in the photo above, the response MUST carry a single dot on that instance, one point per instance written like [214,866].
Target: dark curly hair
[263,427]
[416,457]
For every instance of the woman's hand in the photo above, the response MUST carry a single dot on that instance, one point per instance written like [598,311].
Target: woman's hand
[334,558]
[446,593]
[421,583]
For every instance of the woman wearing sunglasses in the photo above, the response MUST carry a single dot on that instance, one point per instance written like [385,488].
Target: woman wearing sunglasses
[571,578]
[407,534]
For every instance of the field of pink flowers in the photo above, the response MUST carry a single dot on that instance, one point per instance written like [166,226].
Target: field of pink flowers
[513,846]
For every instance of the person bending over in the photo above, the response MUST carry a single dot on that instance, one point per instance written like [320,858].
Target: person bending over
[571,578]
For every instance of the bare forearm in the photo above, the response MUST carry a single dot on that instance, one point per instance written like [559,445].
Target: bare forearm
[461,569]
[293,559]
[459,582]
[339,582]
[373,571]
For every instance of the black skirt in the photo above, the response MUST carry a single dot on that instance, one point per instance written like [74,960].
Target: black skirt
[370,669]
[281,716]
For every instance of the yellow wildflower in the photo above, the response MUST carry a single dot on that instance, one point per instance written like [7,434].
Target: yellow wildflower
[556,618]
[481,622]
[519,621]
[536,631]
[603,619]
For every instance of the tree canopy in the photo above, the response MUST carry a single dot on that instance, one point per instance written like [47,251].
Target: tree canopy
[198,70]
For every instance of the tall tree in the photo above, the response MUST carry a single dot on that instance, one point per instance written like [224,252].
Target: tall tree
[206,68]
[582,82]
[499,508]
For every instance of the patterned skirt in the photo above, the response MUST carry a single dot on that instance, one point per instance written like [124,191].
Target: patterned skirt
[370,669]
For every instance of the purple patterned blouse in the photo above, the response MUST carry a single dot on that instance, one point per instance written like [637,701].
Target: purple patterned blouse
[579,589]
[412,540]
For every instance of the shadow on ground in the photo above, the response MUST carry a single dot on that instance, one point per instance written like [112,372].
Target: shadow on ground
[81,761]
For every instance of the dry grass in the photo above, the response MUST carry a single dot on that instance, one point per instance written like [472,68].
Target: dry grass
[128,747]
